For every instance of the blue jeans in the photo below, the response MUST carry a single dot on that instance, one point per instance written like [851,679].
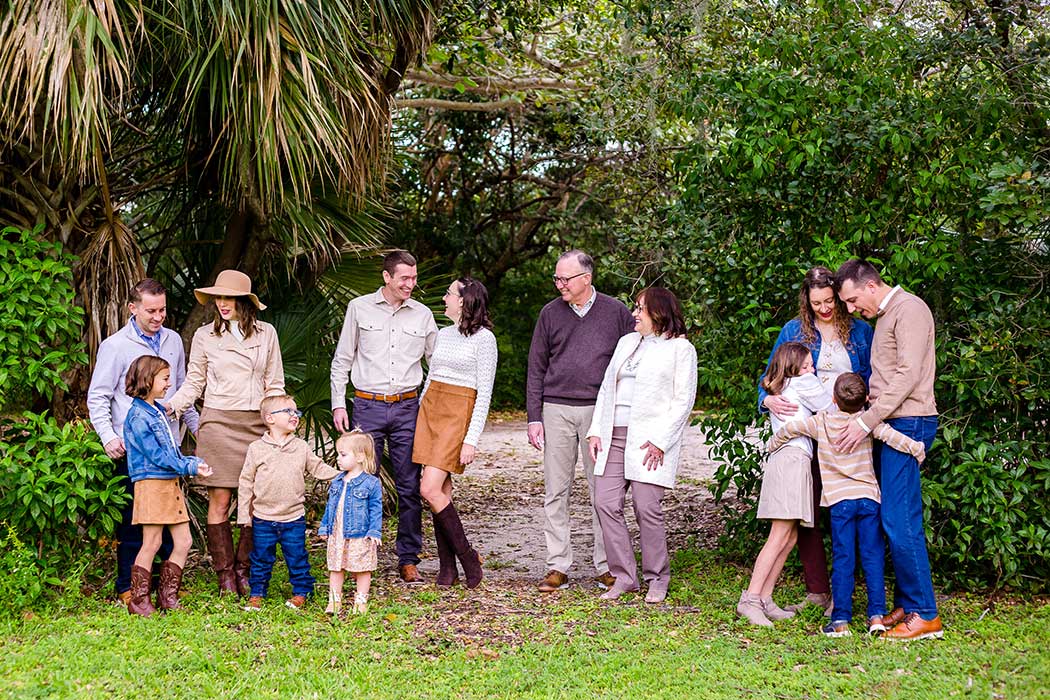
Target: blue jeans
[395,425]
[292,538]
[855,523]
[129,537]
[902,518]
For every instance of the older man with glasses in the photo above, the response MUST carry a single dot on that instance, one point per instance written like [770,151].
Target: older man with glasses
[572,343]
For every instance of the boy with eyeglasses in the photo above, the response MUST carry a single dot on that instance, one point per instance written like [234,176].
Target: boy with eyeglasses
[271,498]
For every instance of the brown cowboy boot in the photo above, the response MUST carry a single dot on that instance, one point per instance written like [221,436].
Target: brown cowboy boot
[140,604]
[448,520]
[242,565]
[168,590]
[448,575]
[220,549]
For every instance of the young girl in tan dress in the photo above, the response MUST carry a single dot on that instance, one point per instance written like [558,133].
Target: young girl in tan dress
[353,520]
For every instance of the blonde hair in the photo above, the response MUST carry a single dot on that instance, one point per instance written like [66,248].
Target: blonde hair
[359,442]
[270,403]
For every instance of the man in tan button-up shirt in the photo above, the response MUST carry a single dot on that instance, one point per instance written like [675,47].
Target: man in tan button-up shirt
[903,369]
[385,336]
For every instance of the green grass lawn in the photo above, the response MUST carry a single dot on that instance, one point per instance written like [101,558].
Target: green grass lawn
[508,641]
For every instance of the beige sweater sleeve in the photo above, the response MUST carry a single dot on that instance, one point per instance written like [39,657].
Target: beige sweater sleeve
[246,489]
[797,428]
[899,441]
[317,468]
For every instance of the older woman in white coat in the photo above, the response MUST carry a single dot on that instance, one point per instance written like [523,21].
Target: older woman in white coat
[635,438]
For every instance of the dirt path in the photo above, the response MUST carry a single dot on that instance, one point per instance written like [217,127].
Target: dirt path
[500,499]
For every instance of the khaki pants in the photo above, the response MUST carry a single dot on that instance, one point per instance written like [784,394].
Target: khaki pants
[564,433]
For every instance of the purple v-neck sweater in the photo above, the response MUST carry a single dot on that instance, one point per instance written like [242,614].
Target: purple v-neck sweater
[569,354]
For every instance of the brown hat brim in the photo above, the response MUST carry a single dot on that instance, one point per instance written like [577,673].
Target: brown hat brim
[205,295]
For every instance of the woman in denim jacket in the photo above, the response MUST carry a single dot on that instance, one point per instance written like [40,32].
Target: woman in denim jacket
[353,519]
[840,343]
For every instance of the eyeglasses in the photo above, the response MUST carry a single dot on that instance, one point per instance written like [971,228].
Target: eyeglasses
[290,411]
[565,280]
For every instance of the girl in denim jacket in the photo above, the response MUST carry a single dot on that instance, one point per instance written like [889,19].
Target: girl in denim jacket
[154,467]
[353,520]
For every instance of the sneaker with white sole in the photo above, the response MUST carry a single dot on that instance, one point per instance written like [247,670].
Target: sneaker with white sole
[836,628]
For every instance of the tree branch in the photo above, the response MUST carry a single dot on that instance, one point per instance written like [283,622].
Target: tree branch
[455,106]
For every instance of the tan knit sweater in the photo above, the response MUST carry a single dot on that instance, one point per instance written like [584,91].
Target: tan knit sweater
[903,361]
[273,484]
[845,476]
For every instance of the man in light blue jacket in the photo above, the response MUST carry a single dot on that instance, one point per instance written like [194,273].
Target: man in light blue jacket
[108,404]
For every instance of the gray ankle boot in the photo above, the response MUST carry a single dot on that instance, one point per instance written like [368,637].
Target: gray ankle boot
[750,608]
[774,611]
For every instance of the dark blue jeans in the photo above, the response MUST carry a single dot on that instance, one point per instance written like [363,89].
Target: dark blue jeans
[292,538]
[902,518]
[394,424]
[129,537]
[855,523]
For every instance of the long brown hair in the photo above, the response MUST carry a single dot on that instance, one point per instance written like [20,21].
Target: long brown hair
[786,363]
[475,313]
[821,278]
[246,315]
[665,311]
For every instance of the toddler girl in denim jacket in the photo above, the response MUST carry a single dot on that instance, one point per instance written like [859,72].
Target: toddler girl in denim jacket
[353,520]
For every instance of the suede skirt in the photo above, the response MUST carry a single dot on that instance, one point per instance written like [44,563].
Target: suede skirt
[787,487]
[222,442]
[159,502]
[442,423]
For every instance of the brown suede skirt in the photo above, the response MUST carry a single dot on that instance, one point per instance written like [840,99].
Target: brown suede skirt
[222,442]
[442,423]
[159,502]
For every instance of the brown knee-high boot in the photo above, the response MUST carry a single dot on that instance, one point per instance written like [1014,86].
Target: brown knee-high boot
[242,567]
[220,549]
[448,575]
[448,520]
[168,590]
[140,604]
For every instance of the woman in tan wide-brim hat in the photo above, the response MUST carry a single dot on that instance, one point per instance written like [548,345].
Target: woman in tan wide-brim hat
[235,362]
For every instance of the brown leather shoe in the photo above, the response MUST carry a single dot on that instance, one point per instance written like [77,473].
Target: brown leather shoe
[140,603]
[914,627]
[124,598]
[605,581]
[554,581]
[410,574]
[254,604]
[296,602]
[894,618]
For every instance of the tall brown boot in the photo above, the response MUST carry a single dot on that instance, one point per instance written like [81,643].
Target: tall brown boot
[140,604]
[448,520]
[242,567]
[168,590]
[448,575]
[220,549]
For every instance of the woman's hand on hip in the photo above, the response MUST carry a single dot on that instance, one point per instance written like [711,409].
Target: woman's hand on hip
[466,454]
[654,456]
[595,444]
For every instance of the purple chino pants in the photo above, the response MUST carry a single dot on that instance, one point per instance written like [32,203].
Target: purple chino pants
[394,424]
[610,491]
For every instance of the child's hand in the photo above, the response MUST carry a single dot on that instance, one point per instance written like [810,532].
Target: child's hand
[203,470]
[921,456]
[324,537]
[379,543]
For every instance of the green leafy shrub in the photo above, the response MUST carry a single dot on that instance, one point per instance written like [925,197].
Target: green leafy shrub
[21,576]
[39,326]
[57,487]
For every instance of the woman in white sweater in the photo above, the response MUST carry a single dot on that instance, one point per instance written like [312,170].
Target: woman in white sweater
[635,438]
[452,413]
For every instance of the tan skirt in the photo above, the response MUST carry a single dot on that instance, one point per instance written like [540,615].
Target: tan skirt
[442,423]
[159,502]
[787,487]
[222,442]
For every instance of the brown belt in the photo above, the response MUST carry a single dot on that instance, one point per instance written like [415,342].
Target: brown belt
[386,398]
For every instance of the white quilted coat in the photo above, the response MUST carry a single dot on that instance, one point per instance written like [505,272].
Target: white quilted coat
[664,392]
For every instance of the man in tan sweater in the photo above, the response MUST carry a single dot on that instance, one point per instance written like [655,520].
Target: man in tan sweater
[903,369]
